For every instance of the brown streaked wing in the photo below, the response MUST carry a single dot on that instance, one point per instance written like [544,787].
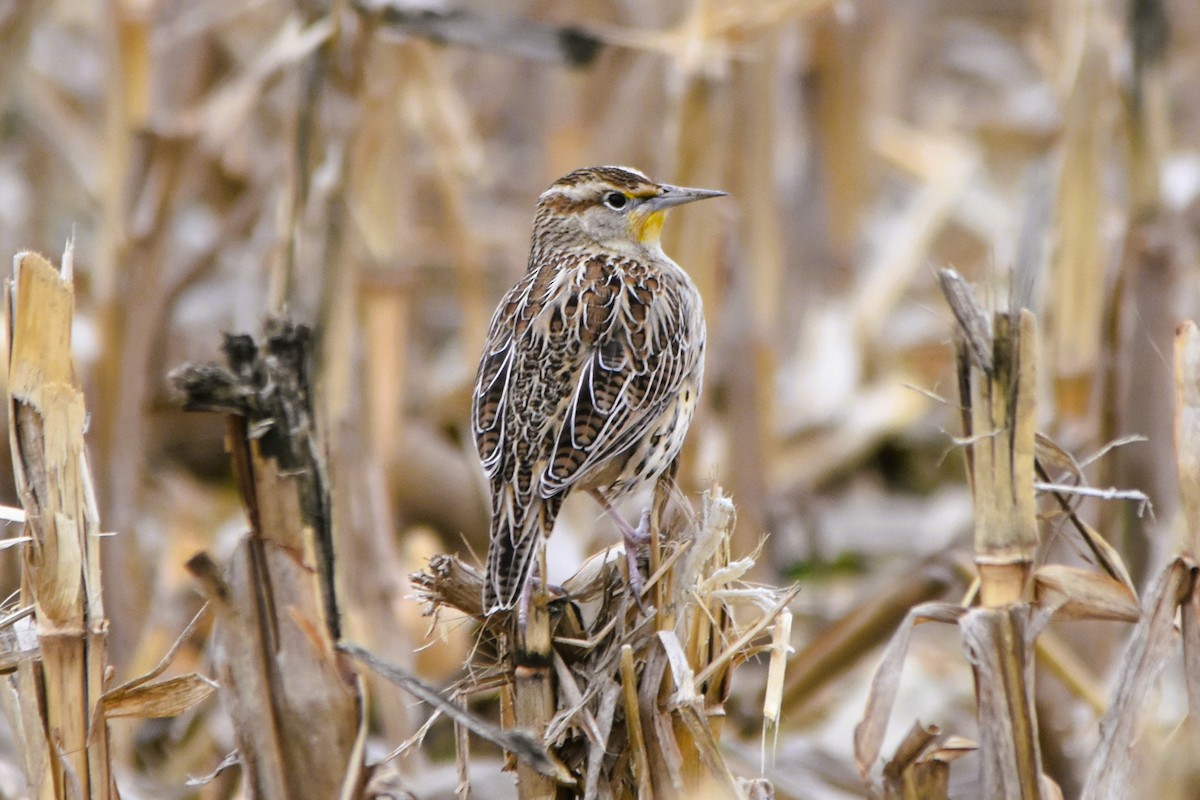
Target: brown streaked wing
[621,388]
[491,395]
[593,402]
[490,398]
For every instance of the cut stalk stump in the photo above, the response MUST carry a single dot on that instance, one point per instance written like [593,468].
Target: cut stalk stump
[296,701]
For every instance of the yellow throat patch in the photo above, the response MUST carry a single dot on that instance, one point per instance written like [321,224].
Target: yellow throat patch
[646,228]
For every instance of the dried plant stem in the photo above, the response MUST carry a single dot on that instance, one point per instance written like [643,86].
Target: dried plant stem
[839,114]
[998,393]
[1078,295]
[276,607]
[999,644]
[641,763]
[533,689]
[1003,403]
[61,578]
[1187,428]
[635,709]
[910,776]
[1174,593]
[1187,454]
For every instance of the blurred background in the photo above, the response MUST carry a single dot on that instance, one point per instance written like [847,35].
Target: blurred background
[372,170]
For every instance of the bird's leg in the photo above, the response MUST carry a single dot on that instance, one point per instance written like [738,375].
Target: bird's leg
[543,571]
[536,583]
[526,596]
[641,534]
[633,539]
[523,601]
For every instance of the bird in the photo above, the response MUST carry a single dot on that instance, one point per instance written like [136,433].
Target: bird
[592,367]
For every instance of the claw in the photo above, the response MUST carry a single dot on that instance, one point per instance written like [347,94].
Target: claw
[636,584]
[535,584]
[641,534]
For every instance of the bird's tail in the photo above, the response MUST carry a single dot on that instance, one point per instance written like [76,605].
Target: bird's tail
[517,530]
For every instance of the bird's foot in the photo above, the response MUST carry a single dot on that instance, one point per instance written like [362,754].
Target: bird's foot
[636,538]
[640,535]
[534,584]
[637,585]
[633,538]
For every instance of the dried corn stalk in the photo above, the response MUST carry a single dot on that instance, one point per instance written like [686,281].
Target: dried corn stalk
[997,383]
[637,700]
[56,711]
[1176,589]
[296,702]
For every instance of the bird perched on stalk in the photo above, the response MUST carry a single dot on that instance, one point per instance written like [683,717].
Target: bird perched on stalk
[592,367]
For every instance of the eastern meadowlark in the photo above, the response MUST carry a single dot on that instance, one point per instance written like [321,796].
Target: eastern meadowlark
[592,366]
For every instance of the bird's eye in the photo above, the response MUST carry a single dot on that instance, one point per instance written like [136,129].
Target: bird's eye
[615,200]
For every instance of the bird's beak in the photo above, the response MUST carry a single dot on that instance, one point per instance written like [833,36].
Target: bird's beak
[677,196]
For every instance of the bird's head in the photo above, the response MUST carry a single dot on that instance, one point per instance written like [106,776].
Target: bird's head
[617,208]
